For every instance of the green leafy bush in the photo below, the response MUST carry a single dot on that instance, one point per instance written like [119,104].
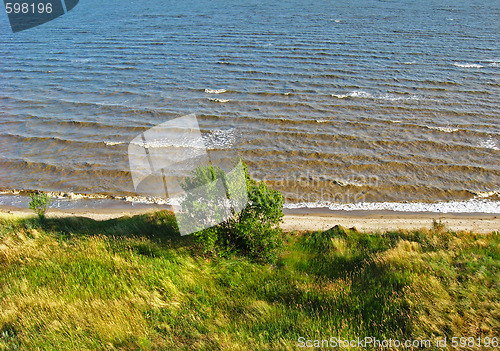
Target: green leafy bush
[254,232]
[40,204]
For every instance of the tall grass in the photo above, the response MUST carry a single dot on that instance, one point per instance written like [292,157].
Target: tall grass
[134,284]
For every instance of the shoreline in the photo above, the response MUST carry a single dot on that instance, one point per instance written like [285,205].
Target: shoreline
[313,219]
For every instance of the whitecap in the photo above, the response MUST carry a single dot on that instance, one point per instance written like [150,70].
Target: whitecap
[219,100]
[489,143]
[219,139]
[361,94]
[340,96]
[196,143]
[394,97]
[476,205]
[486,194]
[467,65]
[113,143]
[215,91]
[444,129]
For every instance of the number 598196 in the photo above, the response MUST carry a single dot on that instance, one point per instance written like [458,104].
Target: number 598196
[28,8]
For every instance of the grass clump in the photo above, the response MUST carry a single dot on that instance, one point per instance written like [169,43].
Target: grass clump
[135,284]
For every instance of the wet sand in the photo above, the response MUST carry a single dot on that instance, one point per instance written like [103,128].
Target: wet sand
[319,219]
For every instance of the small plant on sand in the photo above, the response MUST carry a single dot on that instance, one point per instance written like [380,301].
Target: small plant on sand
[40,203]
[438,226]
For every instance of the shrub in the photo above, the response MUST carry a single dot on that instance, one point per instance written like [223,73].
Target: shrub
[254,232]
[40,203]
[438,226]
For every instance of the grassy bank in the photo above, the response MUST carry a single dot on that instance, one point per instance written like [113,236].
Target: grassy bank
[134,284]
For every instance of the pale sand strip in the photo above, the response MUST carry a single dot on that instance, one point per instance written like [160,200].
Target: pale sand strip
[384,222]
[370,221]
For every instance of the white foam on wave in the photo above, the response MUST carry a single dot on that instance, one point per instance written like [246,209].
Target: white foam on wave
[219,139]
[361,94]
[149,200]
[167,143]
[215,91]
[321,121]
[113,143]
[82,60]
[351,182]
[467,65]
[489,143]
[444,129]
[476,205]
[222,101]
[486,194]
[340,96]
[394,97]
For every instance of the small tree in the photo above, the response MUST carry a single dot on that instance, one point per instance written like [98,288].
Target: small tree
[40,203]
[254,232]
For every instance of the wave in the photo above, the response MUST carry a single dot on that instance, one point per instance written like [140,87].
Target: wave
[479,204]
[489,143]
[486,194]
[467,65]
[113,143]
[476,205]
[444,129]
[340,96]
[30,139]
[72,200]
[219,100]
[361,94]
[215,91]
[217,139]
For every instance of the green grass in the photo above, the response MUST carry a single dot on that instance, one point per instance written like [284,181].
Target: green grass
[135,284]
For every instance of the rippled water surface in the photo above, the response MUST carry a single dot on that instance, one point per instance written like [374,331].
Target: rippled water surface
[332,102]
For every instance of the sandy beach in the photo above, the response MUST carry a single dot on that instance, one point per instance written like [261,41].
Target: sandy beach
[372,221]
[311,220]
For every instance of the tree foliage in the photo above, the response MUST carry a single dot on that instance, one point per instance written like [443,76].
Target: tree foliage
[253,232]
